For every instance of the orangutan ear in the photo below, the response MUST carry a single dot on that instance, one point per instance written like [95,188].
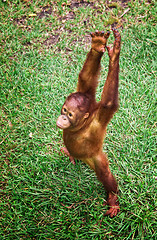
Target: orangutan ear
[86,115]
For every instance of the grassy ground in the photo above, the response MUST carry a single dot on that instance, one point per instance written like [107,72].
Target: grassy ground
[43,196]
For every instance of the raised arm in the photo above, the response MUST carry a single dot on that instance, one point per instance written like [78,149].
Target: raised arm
[109,98]
[88,77]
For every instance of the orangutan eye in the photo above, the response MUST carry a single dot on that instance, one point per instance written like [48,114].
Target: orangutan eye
[70,115]
[64,110]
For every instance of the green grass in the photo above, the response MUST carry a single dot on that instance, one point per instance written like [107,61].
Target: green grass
[43,196]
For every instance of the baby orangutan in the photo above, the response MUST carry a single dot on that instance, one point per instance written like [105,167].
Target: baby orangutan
[84,120]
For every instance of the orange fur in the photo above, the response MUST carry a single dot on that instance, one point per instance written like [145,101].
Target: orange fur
[84,138]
